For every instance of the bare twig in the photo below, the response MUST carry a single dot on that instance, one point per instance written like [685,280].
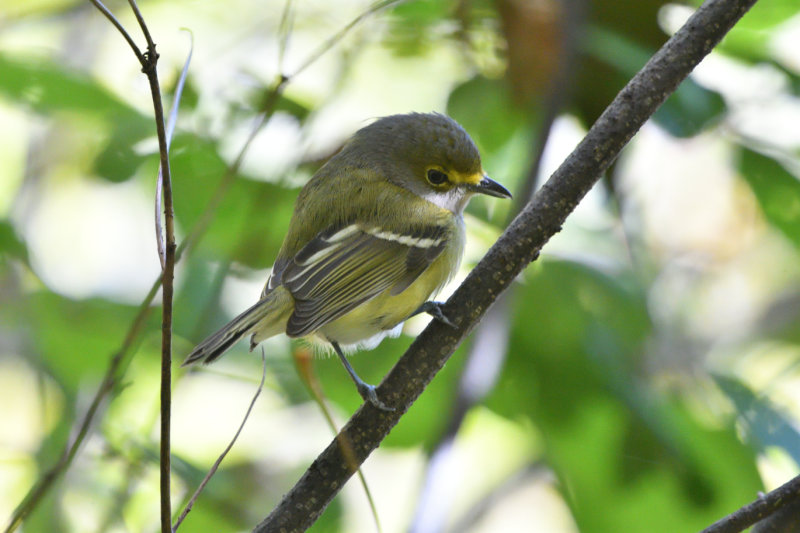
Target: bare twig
[117,24]
[146,32]
[119,360]
[335,38]
[112,377]
[302,358]
[173,119]
[215,466]
[517,247]
[764,506]
[149,62]
[284,32]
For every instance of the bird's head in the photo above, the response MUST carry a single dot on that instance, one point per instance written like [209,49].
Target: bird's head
[429,154]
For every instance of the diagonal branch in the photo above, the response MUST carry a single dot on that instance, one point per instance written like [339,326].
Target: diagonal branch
[517,247]
[486,357]
[764,506]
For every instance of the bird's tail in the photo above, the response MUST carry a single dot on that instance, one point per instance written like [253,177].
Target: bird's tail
[266,318]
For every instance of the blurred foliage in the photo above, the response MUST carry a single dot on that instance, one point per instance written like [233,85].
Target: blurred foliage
[652,375]
[608,436]
[777,192]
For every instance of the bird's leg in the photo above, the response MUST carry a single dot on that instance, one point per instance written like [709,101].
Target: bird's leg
[435,310]
[366,390]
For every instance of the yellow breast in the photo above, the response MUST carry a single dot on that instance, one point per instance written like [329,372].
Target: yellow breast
[378,317]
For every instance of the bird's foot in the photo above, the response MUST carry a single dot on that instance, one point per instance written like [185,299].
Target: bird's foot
[367,392]
[435,310]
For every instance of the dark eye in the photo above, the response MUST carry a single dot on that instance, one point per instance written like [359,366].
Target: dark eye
[436,177]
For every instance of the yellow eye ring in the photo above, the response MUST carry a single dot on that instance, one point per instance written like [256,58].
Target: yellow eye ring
[436,177]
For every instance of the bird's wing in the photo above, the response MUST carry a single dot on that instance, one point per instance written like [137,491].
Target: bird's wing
[341,268]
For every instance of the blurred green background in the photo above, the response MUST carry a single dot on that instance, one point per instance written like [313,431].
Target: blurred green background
[648,361]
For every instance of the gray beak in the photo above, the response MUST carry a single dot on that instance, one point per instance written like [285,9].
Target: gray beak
[488,186]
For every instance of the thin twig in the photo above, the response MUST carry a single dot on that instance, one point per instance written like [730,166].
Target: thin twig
[112,377]
[149,63]
[302,360]
[119,359]
[216,464]
[333,40]
[284,32]
[117,24]
[758,510]
[173,119]
[151,46]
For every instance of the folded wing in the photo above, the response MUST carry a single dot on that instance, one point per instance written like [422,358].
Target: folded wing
[345,267]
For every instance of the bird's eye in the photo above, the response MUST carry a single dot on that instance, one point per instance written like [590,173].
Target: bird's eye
[436,177]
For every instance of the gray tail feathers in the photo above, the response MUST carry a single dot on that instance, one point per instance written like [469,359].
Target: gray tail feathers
[218,343]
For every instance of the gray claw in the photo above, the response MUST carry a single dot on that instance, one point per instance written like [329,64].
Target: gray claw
[435,310]
[368,393]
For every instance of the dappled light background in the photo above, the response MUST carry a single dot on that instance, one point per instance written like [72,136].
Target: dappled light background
[650,379]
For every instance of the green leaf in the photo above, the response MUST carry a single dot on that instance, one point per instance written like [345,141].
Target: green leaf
[10,243]
[75,338]
[49,87]
[777,192]
[690,109]
[633,31]
[751,38]
[686,112]
[118,161]
[629,458]
[332,518]
[214,513]
[584,309]
[765,424]
[493,97]
[414,25]
[190,97]
[616,49]
[253,217]
[768,15]
[293,107]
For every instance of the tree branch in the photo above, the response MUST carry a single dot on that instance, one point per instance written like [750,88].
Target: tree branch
[517,247]
[788,493]
[487,354]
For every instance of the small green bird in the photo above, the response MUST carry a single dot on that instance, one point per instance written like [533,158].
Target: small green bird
[375,232]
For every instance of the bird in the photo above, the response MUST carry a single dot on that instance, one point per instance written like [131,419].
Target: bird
[375,233]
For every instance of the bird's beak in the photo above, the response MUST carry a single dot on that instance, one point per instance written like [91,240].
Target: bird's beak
[488,186]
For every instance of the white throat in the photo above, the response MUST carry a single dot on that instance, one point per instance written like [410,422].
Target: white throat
[454,200]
